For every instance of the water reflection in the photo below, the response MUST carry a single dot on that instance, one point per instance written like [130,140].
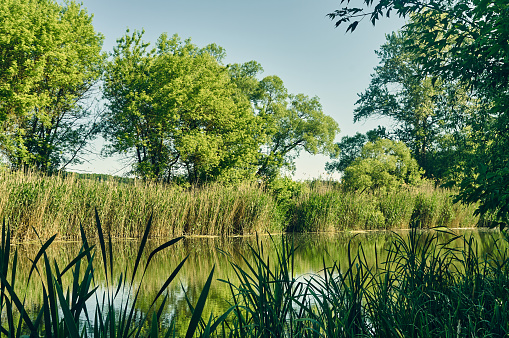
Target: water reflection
[313,252]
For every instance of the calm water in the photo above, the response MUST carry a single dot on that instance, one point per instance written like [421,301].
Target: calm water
[205,253]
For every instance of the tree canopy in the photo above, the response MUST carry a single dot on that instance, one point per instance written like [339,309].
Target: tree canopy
[430,115]
[383,164]
[179,112]
[50,60]
[350,147]
[463,41]
[173,109]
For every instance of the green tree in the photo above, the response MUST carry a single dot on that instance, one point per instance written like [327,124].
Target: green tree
[176,112]
[350,147]
[428,113]
[290,123]
[463,40]
[50,61]
[383,164]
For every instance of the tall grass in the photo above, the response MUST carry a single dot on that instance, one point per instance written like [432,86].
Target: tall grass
[65,310]
[330,208]
[60,204]
[423,288]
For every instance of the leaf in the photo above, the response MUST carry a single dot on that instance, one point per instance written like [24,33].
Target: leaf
[196,317]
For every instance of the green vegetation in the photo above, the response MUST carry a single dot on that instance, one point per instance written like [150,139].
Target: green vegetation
[384,164]
[55,204]
[176,111]
[50,63]
[430,116]
[431,284]
[459,47]
[60,204]
[184,116]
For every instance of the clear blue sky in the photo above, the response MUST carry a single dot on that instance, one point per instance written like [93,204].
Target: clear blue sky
[292,39]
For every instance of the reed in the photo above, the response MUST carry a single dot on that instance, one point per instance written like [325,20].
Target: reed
[423,288]
[328,207]
[65,309]
[428,284]
[60,204]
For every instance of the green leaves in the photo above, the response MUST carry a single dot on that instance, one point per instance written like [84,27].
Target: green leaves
[51,58]
[290,123]
[463,42]
[383,164]
[173,109]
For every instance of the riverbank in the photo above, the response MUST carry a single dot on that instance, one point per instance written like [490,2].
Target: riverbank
[59,204]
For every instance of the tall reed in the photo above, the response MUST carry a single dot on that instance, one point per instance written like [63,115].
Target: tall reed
[330,208]
[425,287]
[60,204]
[65,310]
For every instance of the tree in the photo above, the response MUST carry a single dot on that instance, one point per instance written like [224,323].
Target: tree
[463,40]
[350,147]
[175,111]
[383,164]
[50,60]
[289,123]
[427,112]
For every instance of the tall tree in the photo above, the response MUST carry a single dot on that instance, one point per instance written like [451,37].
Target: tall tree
[50,61]
[289,123]
[463,40]
[174,110]
[427,112]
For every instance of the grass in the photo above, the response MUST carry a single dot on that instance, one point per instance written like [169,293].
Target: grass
[424,288]
[61,204]
[65,312]
[327,207]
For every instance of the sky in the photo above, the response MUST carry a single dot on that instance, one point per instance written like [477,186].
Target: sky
[292,39]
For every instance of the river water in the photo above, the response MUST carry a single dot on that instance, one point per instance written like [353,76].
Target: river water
[312,252]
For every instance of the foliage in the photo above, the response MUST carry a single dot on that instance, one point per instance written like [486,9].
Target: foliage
[466,41]
[431,284]
[50,62]
[350,148]
[431,116]
[290,123]
[59,204]
[329,209]
[180,113]
[384,164]
[172,109]
[266,293]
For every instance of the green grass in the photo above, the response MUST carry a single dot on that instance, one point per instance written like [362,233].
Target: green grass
[60,204]
[330,208]
[423,288]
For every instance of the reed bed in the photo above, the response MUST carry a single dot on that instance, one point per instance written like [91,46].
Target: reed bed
[60,204]
[327,207]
